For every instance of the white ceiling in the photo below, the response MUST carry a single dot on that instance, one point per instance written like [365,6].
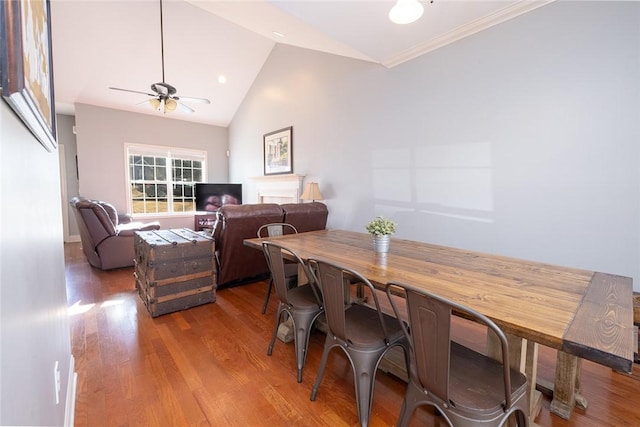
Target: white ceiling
[103,43]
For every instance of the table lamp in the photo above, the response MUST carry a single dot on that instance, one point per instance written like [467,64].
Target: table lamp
[311,192]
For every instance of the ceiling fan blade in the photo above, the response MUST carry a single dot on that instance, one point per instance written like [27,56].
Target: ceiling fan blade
[184,108]
[142,102]
[134,91]
[192,99]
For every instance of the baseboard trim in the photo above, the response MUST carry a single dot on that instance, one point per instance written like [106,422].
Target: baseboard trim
[74,239]
[70,406]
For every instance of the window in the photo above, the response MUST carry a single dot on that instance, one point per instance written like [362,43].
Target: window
[162,179]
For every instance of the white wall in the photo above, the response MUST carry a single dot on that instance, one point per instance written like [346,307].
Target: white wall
[67,139]
[521,140]
[34,328]
[102,133]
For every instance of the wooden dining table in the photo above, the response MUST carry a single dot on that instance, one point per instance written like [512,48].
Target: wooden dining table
[582,314]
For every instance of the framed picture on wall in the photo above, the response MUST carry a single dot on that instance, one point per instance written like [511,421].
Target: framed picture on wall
[26,66]
[278,151]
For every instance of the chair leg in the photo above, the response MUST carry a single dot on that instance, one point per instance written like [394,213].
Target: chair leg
[266,299]
[275,330]
[302,326]
[323,363]
[409,406]
[364,373]
[522,419]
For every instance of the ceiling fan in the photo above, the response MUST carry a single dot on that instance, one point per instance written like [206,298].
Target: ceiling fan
[164,96]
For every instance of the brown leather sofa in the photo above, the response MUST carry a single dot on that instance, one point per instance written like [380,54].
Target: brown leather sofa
[107,237]
[238,263]
[306,216]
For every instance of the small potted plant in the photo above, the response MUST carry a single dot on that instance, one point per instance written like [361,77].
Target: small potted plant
[381,229]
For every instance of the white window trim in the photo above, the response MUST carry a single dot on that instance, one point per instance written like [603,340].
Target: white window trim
[161,150]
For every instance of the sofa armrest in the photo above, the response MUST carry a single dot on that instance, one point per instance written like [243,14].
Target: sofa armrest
[131,228]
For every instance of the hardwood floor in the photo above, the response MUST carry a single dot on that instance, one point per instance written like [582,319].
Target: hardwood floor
[208,366]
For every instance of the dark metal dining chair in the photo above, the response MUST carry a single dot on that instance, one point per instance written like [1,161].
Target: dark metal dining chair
[363,332]
[302,303]
[466,387]
[291,269]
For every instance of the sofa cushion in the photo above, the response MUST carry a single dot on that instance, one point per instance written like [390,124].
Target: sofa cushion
[306,216]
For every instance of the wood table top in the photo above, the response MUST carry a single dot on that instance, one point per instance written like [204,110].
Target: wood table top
[584,313]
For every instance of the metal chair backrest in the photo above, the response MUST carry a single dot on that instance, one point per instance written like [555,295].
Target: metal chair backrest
[276,229]
[335,282]
[276,255]
[271,230]
[429,335]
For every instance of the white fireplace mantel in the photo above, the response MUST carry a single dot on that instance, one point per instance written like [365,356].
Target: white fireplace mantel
[285,188]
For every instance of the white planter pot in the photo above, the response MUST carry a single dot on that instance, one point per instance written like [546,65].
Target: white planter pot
[381,243]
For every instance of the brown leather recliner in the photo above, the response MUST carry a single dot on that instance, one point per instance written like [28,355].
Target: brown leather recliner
[107,237]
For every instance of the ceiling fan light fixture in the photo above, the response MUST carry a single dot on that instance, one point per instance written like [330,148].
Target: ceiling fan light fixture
[170,105]
[164,97]
[406,12]
[155,103]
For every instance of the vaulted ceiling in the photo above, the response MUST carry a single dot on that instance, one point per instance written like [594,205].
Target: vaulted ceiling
[99,44]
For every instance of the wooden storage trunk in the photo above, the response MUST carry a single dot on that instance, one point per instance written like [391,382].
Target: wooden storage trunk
[174,269]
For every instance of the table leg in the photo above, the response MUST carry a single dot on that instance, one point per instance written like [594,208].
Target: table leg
[523,356]
[566,387]
[581,401]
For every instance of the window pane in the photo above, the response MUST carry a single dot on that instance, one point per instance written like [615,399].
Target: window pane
[163,205]
[150,191]
[197,164]
[161,173]
[148,173]
[188,190]
[136,191]
[177,163]
[161,161]
[178,205]
[150,206]
[136,160]
[186,174]
[186,163]
[197,175]
[148,160]
[161,190]
[178,191]
[137,172]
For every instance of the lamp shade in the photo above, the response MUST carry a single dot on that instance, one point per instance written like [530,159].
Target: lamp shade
[311,192]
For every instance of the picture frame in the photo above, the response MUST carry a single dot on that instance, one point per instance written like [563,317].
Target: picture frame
[278,151]
[26,66]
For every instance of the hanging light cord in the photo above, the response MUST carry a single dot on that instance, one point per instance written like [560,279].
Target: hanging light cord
[161,41]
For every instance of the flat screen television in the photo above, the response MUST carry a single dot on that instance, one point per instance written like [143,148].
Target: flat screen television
[210,197]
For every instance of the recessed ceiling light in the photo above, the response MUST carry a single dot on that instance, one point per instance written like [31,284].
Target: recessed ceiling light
[278,34]
[222,79]
[406,12]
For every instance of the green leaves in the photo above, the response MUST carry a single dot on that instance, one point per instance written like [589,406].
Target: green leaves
[381,226]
